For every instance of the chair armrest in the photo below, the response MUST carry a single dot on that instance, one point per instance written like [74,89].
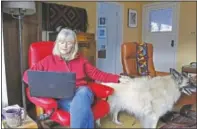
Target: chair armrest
[158,73]
[100,91]
[46,103]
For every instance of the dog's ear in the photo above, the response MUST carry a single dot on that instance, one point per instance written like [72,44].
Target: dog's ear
[171,70]
[175,74]
[185,74]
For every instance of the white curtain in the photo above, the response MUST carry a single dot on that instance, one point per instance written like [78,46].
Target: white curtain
[3,78]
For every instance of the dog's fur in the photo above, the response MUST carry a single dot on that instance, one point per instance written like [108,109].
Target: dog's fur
[147,98]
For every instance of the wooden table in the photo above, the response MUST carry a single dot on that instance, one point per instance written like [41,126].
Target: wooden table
[188,69]
[185,99]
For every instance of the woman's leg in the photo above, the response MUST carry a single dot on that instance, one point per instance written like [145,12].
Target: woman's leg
[64,104]
[79,108]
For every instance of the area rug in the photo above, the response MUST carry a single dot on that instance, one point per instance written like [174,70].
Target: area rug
[180,121]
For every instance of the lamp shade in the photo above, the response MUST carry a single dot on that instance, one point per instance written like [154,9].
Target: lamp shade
[28,8]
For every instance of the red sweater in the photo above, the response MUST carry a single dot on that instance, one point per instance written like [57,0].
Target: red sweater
[79,65]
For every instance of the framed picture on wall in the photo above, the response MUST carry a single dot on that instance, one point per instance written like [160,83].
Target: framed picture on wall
[102,33]
[132,18]
[102,21]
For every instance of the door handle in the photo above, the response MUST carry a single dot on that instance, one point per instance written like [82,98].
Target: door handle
[172,43]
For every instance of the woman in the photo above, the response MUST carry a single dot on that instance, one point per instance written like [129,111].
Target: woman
[65,58]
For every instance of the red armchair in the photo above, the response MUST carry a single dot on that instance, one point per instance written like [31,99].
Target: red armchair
[100,108]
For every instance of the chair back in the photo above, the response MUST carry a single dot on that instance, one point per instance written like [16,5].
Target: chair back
[39,50]
[129,60]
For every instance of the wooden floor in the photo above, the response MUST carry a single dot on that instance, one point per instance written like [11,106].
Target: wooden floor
[130,121]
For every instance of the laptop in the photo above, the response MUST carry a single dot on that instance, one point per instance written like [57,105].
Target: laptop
[52,84]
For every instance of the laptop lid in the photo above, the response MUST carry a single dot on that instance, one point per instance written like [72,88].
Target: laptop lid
[52,84]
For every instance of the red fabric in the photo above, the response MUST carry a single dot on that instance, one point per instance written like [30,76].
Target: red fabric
[100,109]
[46,103]
[60,116]
[80,66]
[100,91]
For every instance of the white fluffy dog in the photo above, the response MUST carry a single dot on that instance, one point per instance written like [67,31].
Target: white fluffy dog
[147,98]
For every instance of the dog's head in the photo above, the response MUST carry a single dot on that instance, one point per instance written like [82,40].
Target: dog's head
[183,81]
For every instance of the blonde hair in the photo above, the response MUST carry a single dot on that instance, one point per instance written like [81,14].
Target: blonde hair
[62,36]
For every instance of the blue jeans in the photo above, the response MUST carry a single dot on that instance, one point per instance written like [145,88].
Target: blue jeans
[79,106]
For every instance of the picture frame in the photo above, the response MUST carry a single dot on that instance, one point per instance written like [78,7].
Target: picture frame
[102,33]
[132,18]
[102,21]
[102,51]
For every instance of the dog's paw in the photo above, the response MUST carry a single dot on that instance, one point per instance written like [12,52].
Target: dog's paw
[117,122]
[98,123]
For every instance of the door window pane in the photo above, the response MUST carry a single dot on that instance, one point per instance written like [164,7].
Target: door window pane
[160,20]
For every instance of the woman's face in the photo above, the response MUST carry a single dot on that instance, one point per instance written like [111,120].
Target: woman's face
[66,46]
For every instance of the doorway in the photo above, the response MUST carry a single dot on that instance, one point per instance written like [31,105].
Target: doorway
[160,27]
[109,36]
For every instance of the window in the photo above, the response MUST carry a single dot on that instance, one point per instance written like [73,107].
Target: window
[160,20]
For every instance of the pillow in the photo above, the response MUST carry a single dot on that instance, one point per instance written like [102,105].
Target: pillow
[142,59]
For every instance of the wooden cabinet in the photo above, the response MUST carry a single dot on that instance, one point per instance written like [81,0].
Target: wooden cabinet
[87,46]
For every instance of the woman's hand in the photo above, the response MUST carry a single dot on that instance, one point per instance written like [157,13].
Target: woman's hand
[124,79]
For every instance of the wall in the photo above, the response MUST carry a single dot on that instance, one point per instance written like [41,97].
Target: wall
[132,34]
[91,12]
[187,25]
[187,34]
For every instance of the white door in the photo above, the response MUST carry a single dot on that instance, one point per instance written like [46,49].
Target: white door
[160,27]
[109,36]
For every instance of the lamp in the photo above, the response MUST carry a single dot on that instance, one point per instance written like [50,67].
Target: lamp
[18,10]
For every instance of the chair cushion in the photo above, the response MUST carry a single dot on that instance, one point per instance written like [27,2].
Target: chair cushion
[46,103]
[129,62]
[99,90]
[62,117]
[100,109]
[128,56]
[39,50]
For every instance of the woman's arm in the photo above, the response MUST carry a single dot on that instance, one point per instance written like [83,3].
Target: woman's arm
[98,75]
[37,67]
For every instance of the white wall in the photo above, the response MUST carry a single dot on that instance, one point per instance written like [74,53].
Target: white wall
[2,65]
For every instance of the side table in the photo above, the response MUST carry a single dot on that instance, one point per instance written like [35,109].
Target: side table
[189,69]
[186,99]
